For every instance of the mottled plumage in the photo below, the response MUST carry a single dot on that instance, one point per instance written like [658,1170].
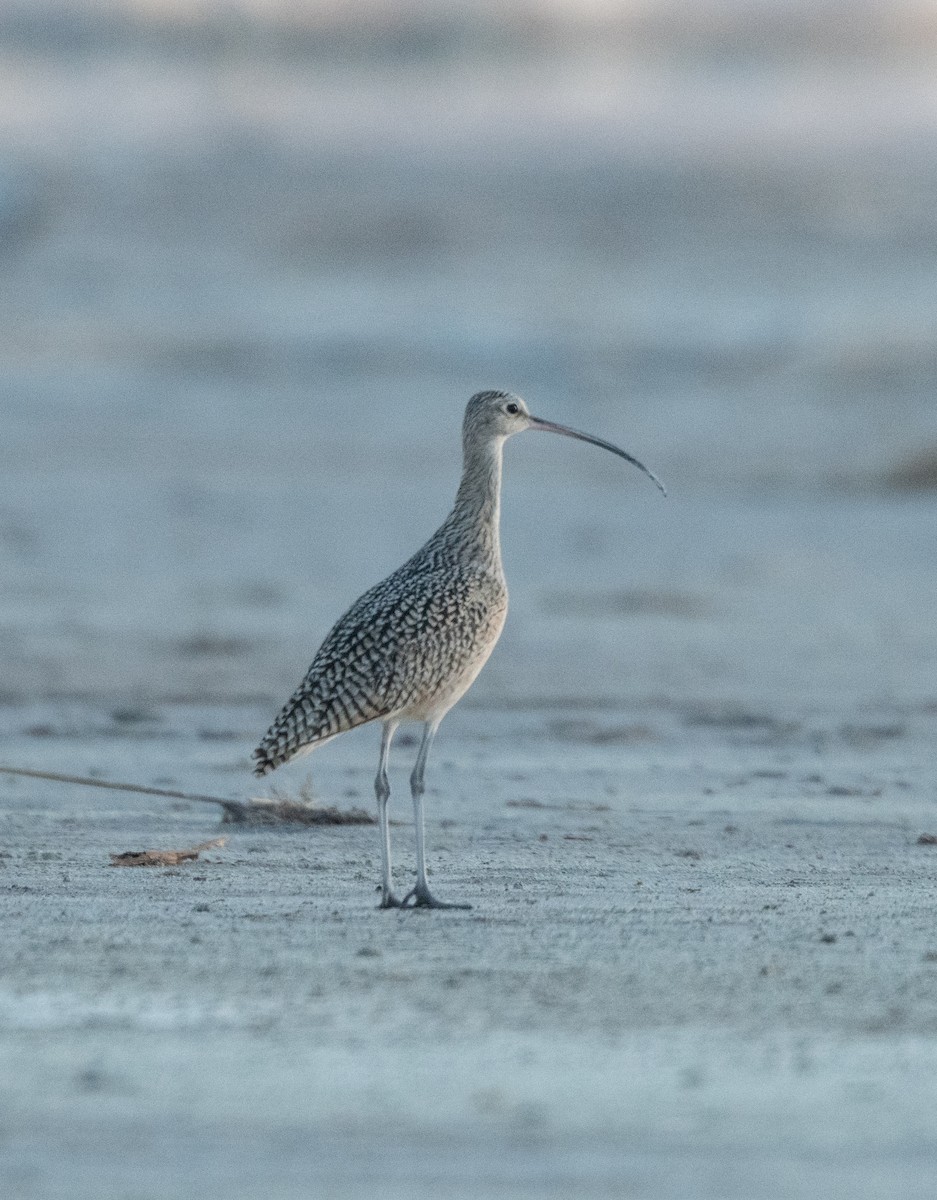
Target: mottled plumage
[413,644]
[410,647]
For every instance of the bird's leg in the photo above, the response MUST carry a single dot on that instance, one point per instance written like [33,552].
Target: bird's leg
[382,791]
[421,896]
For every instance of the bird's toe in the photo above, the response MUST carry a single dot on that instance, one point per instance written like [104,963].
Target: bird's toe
[424,898]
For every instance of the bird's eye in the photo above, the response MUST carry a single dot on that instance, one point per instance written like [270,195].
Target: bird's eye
[512,409]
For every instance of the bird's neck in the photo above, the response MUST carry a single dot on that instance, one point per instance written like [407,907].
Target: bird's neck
[476,516]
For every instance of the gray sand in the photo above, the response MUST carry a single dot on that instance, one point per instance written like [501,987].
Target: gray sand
[247,290]
[701,962]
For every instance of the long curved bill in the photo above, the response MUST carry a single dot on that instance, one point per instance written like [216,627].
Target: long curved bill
[552,427]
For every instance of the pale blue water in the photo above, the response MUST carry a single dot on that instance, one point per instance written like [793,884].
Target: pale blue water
[246,296]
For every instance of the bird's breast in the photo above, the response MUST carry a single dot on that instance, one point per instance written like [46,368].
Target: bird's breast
[452,633]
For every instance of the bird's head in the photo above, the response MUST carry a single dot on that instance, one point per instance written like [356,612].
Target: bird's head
[494,416]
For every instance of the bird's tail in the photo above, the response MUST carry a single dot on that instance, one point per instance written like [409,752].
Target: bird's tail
[268,757]
[265,760]
[294,732]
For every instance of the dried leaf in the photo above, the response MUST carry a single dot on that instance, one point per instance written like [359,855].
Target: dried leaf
[162,858]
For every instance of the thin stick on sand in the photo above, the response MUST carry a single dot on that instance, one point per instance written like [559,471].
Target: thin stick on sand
[256,812]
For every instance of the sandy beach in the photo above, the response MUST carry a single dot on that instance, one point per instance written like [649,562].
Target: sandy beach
[700,962]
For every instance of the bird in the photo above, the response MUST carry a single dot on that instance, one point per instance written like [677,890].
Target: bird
[412,646]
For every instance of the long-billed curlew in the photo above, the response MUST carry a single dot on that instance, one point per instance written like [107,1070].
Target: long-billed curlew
[411,647]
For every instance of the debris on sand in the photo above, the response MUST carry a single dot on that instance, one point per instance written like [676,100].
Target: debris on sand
[281,808]
[162,858]
[278,811]
[927,839]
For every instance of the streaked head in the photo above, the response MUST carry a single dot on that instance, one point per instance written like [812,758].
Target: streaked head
[494,416]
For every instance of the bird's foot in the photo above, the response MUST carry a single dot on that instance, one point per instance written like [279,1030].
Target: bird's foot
[422,897]
[389,900]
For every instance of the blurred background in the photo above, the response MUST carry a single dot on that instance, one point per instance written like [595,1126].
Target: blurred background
[256,254]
